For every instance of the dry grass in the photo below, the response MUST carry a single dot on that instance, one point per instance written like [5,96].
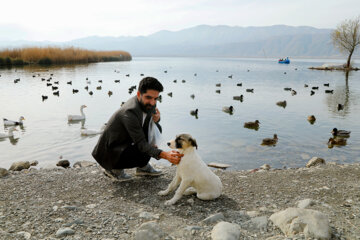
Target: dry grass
[54,55]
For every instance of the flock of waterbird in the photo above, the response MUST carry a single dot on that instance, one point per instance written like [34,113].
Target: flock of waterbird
[338,139]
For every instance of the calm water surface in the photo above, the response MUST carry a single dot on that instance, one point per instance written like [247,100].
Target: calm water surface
[221,137]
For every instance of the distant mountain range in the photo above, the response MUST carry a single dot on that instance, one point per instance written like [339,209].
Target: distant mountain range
[220,41]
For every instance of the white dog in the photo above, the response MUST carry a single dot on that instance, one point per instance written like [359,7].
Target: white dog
[192,174]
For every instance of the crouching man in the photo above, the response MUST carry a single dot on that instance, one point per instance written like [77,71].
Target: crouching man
[125,141]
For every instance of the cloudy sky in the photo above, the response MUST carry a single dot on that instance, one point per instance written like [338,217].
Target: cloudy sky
[64,20]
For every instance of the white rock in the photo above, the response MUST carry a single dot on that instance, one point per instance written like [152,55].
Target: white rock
[305,203]
[225,231]
[315,161]
[312,223]
[149,231]
[214,218]
[265,167]
[62,232]
[55,208]
[91,206]
[84,163]
[25,235]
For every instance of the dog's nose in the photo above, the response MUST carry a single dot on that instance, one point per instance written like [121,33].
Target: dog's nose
[168,144]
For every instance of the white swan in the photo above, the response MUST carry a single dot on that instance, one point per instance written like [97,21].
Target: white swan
[91,132]
[13,123]
[9,134]
[78,117]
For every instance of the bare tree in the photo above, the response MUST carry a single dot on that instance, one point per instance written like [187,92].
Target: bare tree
[346,37]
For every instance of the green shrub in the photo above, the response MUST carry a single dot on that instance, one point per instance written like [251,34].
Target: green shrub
[8,61]
[18,62]
[45,61]
[2,62]
[111,59]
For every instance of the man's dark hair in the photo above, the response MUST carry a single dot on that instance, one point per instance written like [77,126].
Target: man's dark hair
[150,83]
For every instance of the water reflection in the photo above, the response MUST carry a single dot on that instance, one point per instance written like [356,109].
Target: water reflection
[339,142]
[13,140]
[75,122]
[339,102]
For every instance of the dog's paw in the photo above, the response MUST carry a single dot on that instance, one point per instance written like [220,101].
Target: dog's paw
[163,193]
[169,203]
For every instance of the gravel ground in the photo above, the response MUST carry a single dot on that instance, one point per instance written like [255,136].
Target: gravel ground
[36,203]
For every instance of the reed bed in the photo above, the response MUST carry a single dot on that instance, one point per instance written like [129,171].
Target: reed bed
[55,55]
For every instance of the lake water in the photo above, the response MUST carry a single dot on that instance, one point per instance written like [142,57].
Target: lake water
[221,137]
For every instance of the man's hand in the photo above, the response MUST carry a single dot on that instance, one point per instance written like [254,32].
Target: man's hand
[156,116]
[172,156]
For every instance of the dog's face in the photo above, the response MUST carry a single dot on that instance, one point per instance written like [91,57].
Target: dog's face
[182,141]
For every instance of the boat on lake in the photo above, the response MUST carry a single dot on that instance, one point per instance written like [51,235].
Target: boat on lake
[284,60]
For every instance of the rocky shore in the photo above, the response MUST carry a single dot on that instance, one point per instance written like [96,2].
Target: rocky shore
[315,202]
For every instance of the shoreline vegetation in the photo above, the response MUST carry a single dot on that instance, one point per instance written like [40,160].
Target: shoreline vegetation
[328,67]
[56,55]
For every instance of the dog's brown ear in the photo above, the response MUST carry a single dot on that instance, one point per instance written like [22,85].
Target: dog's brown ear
[193,142]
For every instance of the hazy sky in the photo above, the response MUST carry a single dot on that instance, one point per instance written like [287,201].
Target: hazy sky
[70,19]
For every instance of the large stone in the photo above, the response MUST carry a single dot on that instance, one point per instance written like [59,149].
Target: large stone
[82,164]
[149,231]
[3,172]
[63,163]
[312,223]
[225,231]
[18,166]
[24,235]
[315,161]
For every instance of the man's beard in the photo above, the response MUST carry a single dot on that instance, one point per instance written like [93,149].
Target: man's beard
[147,108]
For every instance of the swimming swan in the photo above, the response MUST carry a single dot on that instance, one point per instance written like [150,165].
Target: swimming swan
[78,117]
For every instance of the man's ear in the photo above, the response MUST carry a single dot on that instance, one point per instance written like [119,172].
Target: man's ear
[138,95]
[193,142]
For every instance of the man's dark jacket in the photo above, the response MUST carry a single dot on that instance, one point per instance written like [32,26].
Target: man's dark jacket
[122,130]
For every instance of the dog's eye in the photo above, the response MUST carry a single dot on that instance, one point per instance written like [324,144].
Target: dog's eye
[178,142]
